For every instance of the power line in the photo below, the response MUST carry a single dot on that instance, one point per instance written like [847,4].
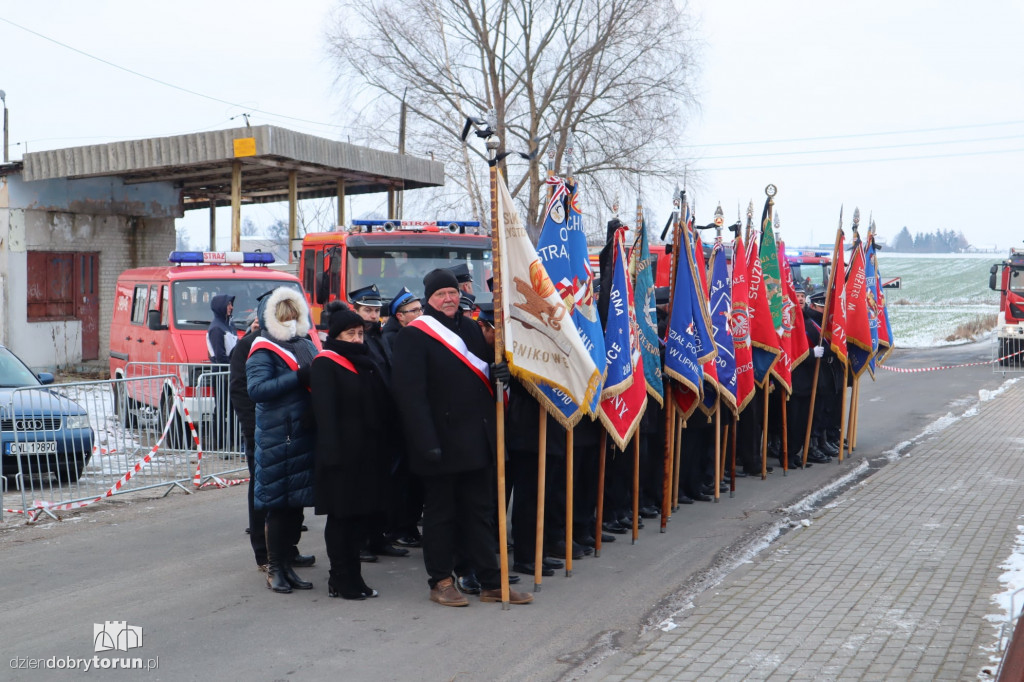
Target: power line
[914,131]
[853,161]
[171,85]
[858,149]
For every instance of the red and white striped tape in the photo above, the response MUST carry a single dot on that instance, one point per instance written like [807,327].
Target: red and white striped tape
[904,370]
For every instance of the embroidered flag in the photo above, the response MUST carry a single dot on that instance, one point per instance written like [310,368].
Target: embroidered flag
[542,346]
[833,328]
[739,325]
[858,318]
[646,315]
[562,249]
[763,337]
[720,296]
[709,399]
[792,314]
[624,396]
[882,331]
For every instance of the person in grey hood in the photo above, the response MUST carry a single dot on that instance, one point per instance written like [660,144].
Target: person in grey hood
[221,337]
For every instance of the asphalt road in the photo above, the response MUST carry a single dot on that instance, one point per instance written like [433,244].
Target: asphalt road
[181,569]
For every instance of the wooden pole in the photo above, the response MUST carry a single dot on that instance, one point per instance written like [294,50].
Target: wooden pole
[666,483]
[636,486]
[600,491]
[842,417]
[542,451]
[499,356]
[213,224]
[732,459]
[293,210]
[810,409]
[783,399]
[856,413]
[568,502]
[236,206]
[677,446]
[718,448]
[764,433]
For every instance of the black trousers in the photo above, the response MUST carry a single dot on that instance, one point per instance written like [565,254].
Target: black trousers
[257,517]
[283,527]
[618,483]
[696,454]
[522,468]
[457,523]
[796,422]
[344,537]
[748,436]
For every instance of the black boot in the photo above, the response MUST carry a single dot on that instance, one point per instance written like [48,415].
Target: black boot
[276,580]
[293,578]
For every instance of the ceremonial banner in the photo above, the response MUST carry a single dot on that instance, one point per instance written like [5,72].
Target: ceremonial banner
[781,309]
[689,344]
[833,328]
[542,346]
[858,318]
[792,314]
[646,315]
[562,249]
[763,337]
[881,333]
[624,396]
[739,326]
[719,294]
[709,400]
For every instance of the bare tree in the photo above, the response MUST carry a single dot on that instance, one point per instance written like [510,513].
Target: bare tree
[615,73]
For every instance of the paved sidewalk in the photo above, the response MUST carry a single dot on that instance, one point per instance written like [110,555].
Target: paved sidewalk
[892,581]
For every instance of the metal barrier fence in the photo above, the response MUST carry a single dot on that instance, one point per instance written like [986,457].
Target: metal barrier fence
[1007,354]
[64,446]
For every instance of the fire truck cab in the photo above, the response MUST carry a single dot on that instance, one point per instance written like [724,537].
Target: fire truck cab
[391,254]
[161,317]
[810,268]
[1007,278]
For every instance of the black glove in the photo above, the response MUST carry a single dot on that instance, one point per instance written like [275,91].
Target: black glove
[304,374]
[499,372]
[433,455]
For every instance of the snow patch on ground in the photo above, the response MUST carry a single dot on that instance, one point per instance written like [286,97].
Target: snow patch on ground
[1008,602]
[810,502]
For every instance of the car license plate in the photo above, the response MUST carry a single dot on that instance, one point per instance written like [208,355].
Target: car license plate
[39,447]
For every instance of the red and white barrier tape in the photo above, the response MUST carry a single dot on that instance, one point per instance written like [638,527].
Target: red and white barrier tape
[903,370]
[39,506]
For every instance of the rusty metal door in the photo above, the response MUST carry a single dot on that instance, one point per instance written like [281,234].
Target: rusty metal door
[87,303]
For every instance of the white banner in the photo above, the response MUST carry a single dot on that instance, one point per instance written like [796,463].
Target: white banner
[542,345]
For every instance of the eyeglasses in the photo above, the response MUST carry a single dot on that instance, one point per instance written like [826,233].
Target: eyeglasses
[411,311]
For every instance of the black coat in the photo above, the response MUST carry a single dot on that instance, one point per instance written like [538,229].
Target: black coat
[243,405]
[522,424]
[390,331]
[443,403]
[379,349]
[830,376]
[353,413]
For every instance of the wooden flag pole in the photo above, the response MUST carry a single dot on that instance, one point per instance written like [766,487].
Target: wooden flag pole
[856,413]
[677,447]
[732,458]
[542,452]
[783,399]
[842,417]
[718,448]
[666,483]
[764,433]
[636,486]
[499,356]
[568,502]
[603,455]
[810,409]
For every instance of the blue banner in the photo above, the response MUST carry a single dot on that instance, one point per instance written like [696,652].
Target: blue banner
[647,318]
[720,296]
[562,248]
[618,349]
[690,343]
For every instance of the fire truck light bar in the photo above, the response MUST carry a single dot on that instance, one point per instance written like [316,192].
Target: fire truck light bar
[452,226]
[221,257]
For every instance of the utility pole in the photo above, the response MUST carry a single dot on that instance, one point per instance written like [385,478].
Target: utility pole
[3,98]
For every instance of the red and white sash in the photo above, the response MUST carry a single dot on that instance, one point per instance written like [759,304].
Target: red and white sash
[340,359]
[453,342]
[263,343]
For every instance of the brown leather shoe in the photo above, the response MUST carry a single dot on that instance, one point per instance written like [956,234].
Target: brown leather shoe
[445,594]
[513,596]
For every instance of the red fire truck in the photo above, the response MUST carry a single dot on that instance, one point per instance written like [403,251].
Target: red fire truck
[1007,278]
[391,254]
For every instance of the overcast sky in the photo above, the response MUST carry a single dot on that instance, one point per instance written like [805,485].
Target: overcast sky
[911,110]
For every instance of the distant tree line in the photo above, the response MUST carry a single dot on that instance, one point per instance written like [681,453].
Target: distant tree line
[940,241]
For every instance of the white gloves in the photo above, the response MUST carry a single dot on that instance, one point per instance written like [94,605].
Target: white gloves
[819,351]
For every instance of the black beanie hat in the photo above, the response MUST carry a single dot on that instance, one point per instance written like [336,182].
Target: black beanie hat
[342,320]
[438,279]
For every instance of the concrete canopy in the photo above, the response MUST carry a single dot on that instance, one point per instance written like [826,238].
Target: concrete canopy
[200,165]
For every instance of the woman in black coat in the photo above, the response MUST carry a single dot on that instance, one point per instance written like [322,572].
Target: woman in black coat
[351,404]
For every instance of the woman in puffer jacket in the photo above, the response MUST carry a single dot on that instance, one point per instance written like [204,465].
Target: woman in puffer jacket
[277,379]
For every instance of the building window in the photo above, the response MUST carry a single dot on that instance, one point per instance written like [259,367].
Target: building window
[51,278]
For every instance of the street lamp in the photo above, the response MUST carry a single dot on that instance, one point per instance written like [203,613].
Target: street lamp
[3,98]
